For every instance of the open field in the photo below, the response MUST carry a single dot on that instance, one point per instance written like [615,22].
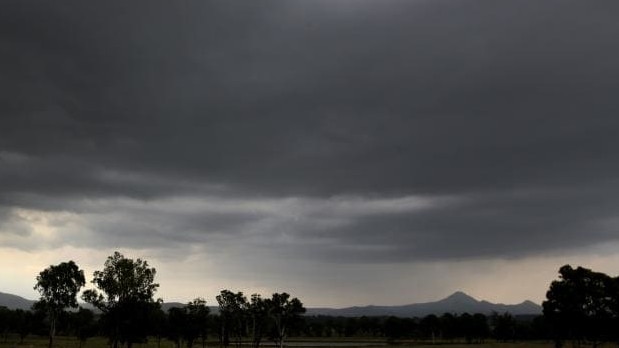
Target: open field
[324,342]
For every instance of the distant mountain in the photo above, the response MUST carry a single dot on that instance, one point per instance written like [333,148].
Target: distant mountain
[458,302]
[14,302]
[17,302]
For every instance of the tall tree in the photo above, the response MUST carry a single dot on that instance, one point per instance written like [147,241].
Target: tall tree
[232,316]
[197,315]
[430,326]
[258,313]
[126,297]
[580,305]
[58,286]
[285,312]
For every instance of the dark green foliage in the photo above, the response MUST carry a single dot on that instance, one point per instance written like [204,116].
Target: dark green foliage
[397,328]
[351,327]
[158,325]
[258,315]
[504,327]
[23,323]
[197,322]
[450,327]
[177,319]
[83,324]
[285,313]
[582,306]
[5,323]
[369,326]
[430,327]
[187,324]
[475,327]
[58,286]
[126,294]
[232,316]
[315,328]
[276,316]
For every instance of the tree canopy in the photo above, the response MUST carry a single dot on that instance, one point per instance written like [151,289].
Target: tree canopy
[122,280]
[582,305]
[125,296]
[285,312]
[58,286]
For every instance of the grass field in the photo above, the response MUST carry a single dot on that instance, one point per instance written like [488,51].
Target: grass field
[347,342]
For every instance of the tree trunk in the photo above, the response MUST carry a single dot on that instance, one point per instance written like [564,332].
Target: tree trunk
[282,334]
[225,337]
[52,330]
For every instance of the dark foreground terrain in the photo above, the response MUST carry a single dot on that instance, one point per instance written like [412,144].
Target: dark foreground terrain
[101,342]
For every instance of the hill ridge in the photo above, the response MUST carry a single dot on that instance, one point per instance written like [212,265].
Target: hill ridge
[458,302]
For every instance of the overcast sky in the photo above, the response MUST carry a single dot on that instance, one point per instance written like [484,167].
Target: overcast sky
[348,152]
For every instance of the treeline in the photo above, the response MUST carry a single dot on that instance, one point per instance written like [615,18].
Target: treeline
[21,323]
[582,306]
[239,320]
[469,328]
[251,323]
[124,293]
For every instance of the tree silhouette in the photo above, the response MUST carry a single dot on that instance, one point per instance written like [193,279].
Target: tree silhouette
[158,323]
[197,321]
[581,305]
[126,294]
[285,312]
[504,326]
[58,286]
[232,308]
[177,322]
[5,323]
[258,315]
[23,322]
[83,322]
[430,326]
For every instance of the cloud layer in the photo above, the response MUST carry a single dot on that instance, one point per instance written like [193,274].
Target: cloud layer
[348,132]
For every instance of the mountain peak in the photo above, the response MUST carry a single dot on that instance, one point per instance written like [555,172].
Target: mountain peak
[460,296]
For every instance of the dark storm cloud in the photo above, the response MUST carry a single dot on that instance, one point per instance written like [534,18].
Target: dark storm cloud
[505,224]
[475,100]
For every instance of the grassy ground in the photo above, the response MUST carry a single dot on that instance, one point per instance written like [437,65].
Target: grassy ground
[71,342]
[100,342]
